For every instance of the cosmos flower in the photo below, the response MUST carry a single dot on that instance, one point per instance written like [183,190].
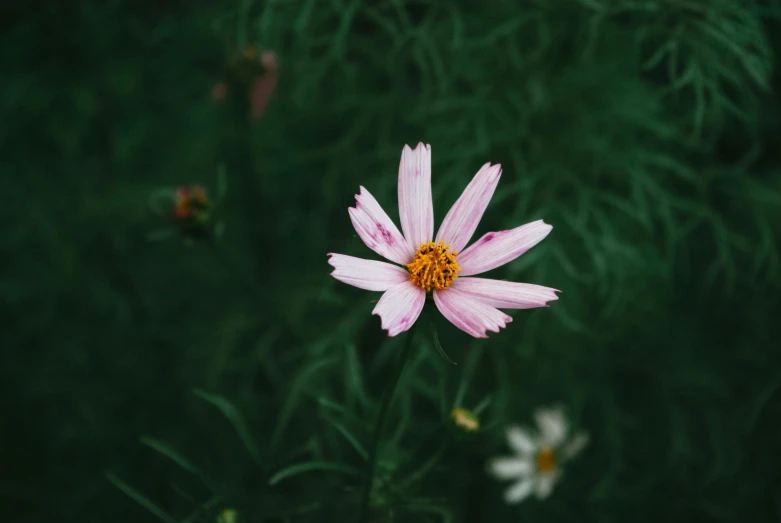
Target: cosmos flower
[539,459]
[439,264]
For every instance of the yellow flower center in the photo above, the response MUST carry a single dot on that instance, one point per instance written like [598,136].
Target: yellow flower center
[434,266]
[249,53]
[546,460]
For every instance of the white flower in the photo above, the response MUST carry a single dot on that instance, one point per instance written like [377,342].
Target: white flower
[539,459]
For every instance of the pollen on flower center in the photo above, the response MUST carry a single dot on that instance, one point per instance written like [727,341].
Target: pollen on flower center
[546,460]
[434,266]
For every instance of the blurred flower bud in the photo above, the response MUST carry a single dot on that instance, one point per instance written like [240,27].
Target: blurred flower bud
[220,91]
[227,516]
[192,211]
[260,94]
[465,420]
[263,87]
[189,210]
[254,73]
[191,204]
[269,61]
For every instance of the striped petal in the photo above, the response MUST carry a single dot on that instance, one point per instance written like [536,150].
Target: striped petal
[369,275]
[520,440]
[553,426]
[400,306]
[519,491]
[461,221]
[377,230]
[469,314]
[495,249]
[509,468]
[416,209]
[506,294]
[545,483]
[575,445]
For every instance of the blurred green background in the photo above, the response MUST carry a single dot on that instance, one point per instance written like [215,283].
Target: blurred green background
[187,373]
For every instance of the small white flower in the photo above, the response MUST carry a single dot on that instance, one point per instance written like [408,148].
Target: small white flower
[539,457]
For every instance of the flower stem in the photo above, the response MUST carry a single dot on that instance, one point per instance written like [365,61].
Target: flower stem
[381,419]
[426,467]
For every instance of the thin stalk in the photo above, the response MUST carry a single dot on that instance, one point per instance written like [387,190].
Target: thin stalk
[426,467]
[381,419]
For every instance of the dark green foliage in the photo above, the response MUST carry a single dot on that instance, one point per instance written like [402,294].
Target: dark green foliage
[182,377]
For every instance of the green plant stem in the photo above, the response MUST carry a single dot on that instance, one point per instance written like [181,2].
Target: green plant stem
[381,419]
[427,466]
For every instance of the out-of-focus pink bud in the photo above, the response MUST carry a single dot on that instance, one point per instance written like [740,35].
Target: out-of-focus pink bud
[268,59]
[220,91]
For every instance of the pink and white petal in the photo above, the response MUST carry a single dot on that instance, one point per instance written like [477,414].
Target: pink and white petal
[416,209]
[377,230]
[520,440]
[519,491]
[553,426]
[575,446]
[509,468]
[506,294]
[495,249]
[369,275]
[461,221]
[400,307]
[468,314]
[545,483]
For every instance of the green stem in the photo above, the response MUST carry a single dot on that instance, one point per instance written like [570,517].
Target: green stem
[381,419]
[427,466]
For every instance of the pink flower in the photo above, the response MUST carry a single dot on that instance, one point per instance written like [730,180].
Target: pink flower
[438,264]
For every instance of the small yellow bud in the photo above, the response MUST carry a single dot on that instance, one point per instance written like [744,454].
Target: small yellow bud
[465,420]
[227,516]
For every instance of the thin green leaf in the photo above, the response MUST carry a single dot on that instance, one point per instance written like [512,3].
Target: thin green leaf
[236,419]
[438,345]
[332,405]
[171,454]
[349,437]
[430,507]
[424,469]
[482,406]
[442,396]
[139,498]
[354,374]
[222,184]
[299,468]
[460,393]
[161,200]
[162,234]
[761,404]
[219,229]
[204,508]
[294,397]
